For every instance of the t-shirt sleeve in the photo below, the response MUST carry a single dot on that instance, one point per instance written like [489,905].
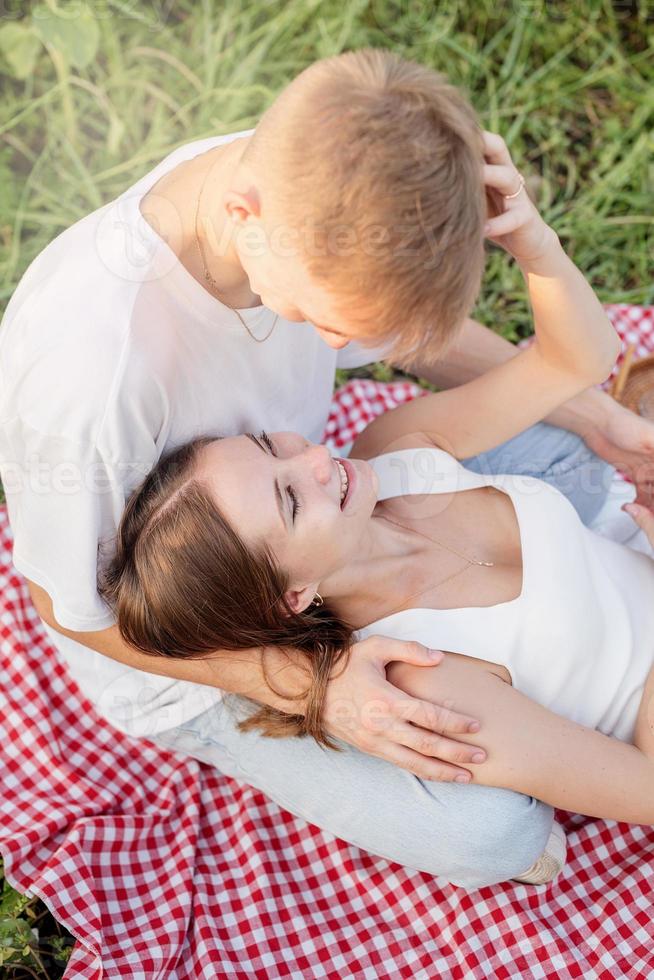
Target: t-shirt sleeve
[63,498]
[355,355]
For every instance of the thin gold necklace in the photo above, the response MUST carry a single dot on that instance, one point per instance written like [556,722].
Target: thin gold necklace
[210,279]
[469,562]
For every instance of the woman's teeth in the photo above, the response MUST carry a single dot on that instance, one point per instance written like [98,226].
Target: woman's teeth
[345,483]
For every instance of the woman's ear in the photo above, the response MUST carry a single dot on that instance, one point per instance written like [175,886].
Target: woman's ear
[301,599]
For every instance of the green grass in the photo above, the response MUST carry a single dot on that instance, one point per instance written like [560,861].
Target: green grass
[570,85]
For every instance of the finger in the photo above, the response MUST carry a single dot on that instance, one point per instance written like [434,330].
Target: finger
[495,149]
[641,474]
[643,480]
[504,224]
[439,718]
[645,496]
[494,202]
[421,766]
[436,746]
[412,652]
[504,179]
[643,517]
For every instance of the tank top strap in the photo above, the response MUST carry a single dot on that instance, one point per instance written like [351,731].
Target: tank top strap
[423,469]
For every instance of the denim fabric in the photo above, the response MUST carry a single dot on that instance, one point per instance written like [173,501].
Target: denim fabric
[556,456]
[470,835]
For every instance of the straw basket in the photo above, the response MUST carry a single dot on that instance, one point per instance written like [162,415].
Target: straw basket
[634,386]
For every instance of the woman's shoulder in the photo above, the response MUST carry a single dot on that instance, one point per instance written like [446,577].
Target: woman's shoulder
[414,464]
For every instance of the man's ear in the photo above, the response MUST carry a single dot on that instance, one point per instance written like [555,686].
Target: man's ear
[301,599]
[240,205]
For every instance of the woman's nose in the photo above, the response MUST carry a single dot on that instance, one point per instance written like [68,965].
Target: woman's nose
[321,462]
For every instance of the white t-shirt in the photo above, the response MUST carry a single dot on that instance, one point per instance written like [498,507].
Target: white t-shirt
[110,354]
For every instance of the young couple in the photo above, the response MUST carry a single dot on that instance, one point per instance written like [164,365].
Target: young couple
[167,367]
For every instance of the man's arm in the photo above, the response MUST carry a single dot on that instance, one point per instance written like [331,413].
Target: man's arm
[239,672]
[362,708]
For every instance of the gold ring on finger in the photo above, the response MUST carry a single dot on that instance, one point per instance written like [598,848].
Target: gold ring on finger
[508,197]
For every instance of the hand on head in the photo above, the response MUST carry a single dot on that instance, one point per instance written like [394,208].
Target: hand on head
[514,222]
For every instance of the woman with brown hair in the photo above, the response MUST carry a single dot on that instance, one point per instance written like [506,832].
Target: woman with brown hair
[269,541]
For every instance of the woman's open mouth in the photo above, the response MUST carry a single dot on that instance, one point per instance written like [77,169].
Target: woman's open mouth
[343,470]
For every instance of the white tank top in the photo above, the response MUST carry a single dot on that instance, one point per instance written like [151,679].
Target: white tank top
[579,639]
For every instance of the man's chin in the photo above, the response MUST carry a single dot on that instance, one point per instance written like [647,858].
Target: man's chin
[291,315]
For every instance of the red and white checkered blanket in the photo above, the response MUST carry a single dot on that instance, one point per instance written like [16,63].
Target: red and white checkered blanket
[165,868]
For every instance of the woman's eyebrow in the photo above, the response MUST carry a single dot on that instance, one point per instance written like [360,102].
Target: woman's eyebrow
[278,492]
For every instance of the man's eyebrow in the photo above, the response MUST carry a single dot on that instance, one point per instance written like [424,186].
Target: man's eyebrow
[278,492]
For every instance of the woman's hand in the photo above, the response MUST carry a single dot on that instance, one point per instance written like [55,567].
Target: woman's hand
[517,226]
[362,708]
[643,517]
[627,441]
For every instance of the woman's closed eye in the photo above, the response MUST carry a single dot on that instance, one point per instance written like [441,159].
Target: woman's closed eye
[295,502]
[265,438]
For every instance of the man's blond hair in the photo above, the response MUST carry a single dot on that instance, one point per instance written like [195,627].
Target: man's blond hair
[379,162]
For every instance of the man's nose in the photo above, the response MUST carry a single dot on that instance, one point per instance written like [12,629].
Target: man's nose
[336,343]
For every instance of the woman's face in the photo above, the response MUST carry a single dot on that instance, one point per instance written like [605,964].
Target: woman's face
[285,492]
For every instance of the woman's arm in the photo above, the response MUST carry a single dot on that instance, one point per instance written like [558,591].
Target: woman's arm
[644,730]
[534,751]
[479,349]
[575,347]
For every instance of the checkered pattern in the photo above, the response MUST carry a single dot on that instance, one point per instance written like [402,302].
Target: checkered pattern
[164,868]
[634,324]
[359,402]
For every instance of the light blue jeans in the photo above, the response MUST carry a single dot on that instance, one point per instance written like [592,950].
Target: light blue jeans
[470,835]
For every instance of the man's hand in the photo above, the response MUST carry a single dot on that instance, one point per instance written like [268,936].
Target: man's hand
[362,708]
[627,441]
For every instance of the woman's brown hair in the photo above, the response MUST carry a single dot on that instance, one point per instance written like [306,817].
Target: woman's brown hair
[182,583]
